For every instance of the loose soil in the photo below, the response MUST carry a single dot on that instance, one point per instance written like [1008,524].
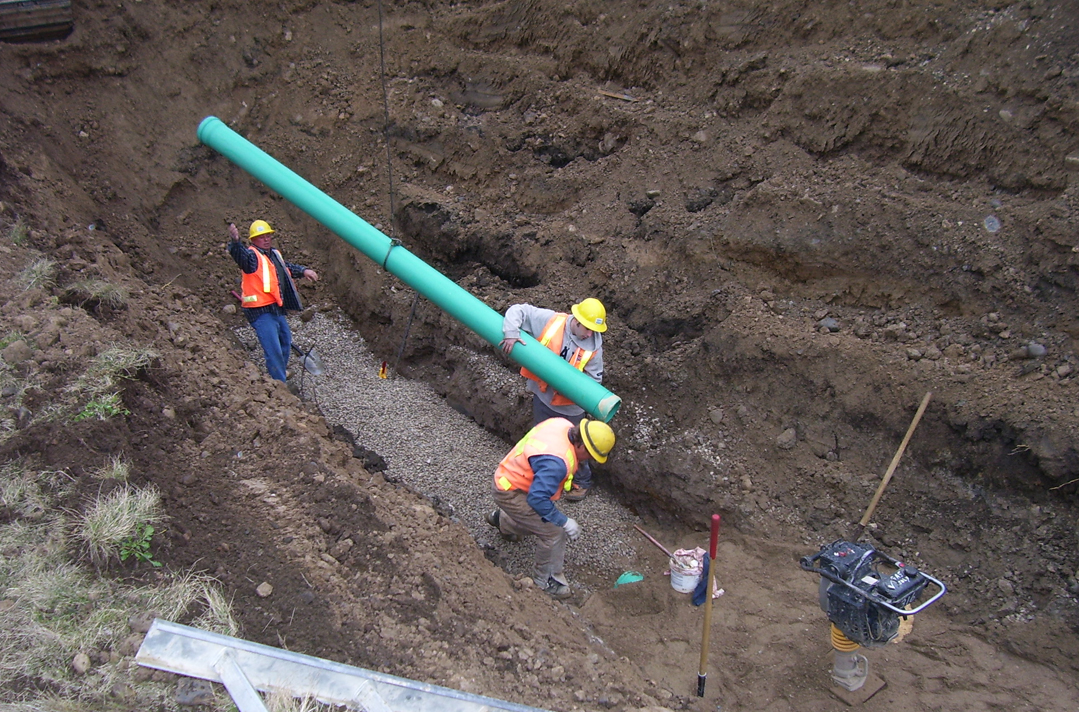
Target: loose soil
[801,216]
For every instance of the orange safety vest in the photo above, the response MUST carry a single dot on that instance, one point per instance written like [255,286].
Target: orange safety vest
[553,335]
[260,288]
[551,437]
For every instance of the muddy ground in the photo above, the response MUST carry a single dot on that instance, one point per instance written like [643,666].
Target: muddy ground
[802,217]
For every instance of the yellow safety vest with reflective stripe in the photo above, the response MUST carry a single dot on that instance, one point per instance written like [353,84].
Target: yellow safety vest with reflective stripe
[551,437]
[553,335]
[260,288]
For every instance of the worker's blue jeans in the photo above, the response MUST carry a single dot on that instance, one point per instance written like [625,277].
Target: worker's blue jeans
[276,340]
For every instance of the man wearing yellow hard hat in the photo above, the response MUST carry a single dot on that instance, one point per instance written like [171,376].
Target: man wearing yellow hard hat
[532,477]
[577,338]
[268,292]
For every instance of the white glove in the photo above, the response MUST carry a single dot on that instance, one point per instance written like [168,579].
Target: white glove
[573,529]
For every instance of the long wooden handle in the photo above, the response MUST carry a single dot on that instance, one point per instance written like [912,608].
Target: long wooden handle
[895,461]
[701,670]
[653,540]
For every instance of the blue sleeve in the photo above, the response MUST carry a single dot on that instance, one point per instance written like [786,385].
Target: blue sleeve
[295,270]
[244,256]
[549,471]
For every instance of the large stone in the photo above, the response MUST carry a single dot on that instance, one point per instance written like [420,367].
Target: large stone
[787,439]
[16,352]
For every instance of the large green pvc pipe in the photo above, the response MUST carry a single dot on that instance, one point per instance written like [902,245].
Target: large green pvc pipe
[411,270]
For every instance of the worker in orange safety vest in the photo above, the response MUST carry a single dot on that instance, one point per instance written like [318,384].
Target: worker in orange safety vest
[578,338]
[532,477]
[268,292]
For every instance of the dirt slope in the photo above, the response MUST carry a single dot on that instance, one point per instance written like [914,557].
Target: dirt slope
[903,169]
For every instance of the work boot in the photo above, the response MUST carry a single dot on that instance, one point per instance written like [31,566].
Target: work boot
[576,494]
[555,588]
[493,518]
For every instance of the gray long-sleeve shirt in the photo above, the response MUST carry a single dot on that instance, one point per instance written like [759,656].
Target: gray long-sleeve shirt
[531,320]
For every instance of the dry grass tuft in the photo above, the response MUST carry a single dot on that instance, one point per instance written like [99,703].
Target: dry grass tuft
[115,518]
[39,274]
[92,293]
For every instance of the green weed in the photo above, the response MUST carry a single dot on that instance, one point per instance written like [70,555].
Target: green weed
[102,408]
[138,546]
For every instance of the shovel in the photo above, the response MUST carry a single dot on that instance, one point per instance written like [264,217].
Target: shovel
[311,362]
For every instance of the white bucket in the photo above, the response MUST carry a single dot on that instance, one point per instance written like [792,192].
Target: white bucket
[684,580]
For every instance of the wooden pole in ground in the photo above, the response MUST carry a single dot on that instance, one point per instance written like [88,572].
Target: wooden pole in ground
[891,468]
[702,672]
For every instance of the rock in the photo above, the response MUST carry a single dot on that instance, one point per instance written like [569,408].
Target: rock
[716,415]
[16,352]
[130,645]
[829,324]
[787,439]
[1035,350]
[914,354]
[81,663]
[122,691]
[932,354]
[264,590]
[141,622]
[1064,370]
[193,691]
[229,309]
[953,351]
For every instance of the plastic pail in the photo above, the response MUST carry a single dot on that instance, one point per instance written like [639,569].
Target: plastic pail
[684,580]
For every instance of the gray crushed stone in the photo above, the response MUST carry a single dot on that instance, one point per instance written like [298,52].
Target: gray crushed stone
[440,453]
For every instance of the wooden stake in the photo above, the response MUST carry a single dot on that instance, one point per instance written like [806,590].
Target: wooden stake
[891,468]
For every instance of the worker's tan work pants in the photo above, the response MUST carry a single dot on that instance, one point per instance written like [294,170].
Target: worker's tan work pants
[519,518]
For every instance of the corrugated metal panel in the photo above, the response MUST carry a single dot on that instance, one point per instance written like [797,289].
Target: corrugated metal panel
[35,20]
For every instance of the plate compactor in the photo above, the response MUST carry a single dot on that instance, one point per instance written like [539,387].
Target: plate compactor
[864,593]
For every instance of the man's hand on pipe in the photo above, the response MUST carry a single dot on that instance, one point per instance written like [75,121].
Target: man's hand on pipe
[507,344]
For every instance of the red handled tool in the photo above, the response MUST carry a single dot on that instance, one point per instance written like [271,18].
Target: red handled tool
[702,675]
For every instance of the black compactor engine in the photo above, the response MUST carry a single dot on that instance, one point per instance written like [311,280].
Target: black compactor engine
[864,592]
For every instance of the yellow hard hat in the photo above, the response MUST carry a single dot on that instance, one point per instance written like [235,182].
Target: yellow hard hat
[598,439]
[591,313]
[259,228]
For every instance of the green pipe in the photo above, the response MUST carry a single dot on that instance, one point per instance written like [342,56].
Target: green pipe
[395,259]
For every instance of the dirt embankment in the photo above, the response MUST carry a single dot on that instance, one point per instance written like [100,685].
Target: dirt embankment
[756,173]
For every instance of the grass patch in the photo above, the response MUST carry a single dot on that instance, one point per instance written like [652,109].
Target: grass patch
[101,382]
[92,293]
[39,274]
[60,609]
[11,337]
[113,365]
[19,234]
[117,521]
[115,468]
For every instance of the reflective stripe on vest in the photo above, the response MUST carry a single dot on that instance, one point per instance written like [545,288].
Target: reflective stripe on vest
[551,437]
[260,288]
[553,336]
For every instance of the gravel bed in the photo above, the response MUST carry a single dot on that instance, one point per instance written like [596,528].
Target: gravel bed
[441,453]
